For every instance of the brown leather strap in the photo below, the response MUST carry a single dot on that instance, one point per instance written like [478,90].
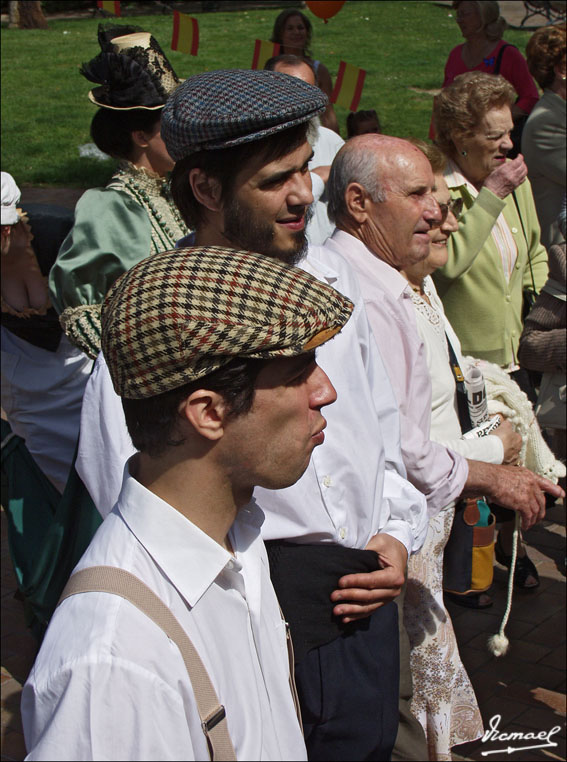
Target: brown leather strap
[291,664]
[110,579]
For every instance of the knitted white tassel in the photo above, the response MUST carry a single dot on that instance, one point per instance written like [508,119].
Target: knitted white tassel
[498,644]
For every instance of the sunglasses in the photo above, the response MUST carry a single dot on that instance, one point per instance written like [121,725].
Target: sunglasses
[455,206]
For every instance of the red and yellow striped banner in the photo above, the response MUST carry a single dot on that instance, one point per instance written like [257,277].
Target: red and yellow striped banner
[185,33]
[348,87]
[264,50]
[110,6]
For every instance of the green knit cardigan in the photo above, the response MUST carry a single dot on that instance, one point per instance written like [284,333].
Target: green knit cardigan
[484,309]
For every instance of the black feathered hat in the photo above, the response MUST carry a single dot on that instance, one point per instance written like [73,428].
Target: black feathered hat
[132,70]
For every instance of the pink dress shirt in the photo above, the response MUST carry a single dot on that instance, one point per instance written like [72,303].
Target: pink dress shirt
[435,470]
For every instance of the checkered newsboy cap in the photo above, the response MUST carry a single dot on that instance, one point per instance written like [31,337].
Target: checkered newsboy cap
[179,315]
[220,109]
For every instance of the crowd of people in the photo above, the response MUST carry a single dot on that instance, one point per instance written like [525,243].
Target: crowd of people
[257,341]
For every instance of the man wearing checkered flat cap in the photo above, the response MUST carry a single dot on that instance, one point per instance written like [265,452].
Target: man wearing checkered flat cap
[212,352]
[338,539]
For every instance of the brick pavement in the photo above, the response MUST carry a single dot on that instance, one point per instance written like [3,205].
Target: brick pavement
[527,686]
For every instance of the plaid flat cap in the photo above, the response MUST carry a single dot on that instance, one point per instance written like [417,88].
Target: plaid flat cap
[219,109]
[179,315]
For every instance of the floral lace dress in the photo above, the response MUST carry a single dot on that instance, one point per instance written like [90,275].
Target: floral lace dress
[443,697]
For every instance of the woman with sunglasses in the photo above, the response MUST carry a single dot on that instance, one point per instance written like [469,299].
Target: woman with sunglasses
[443,698]
[496,255]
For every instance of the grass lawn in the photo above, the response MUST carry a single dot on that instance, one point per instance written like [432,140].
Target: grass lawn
[46,115]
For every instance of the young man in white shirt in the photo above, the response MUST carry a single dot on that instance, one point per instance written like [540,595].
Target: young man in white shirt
[212,351]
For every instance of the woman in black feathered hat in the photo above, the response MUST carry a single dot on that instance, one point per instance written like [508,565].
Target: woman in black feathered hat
[134,216]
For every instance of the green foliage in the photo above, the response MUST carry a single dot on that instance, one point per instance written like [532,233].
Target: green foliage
[46,115]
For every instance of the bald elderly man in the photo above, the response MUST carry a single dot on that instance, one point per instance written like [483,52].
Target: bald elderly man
[380,198]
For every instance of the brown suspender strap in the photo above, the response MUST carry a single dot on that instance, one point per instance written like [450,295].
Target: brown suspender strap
[291,664]
[110,579]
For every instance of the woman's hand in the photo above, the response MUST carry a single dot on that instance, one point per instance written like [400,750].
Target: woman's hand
[511,440]
[506,178]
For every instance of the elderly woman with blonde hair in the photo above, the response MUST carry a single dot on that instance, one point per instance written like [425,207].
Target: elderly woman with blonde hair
[543,139]
[496,253]
[443,698]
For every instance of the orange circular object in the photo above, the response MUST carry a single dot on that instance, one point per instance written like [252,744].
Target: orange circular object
[324,9]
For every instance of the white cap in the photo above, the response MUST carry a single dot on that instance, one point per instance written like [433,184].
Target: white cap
[10,198]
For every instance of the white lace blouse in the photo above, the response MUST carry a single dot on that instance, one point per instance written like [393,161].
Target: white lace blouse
[432,325]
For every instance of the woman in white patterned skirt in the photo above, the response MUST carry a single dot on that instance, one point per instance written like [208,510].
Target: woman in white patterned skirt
[443,698]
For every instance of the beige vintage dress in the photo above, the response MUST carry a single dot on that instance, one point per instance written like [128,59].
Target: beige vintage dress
[443,697]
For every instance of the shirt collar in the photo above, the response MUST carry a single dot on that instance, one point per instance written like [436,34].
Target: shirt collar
[315,264]
[187,240]
[189,558]
[455,179]
[369,265]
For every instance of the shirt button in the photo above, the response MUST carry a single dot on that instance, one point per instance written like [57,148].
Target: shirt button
[327,481]
[517,265]
[513,333]
[514,230]
[508,297]
[342,533]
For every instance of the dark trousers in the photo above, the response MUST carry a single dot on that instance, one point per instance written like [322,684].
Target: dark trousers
[348,691]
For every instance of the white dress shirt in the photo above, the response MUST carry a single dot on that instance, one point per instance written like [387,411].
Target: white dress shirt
[355,484]
[437,471]
[108,684]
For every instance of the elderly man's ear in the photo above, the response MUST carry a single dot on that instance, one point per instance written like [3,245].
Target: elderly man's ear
[356,201]
[207,190]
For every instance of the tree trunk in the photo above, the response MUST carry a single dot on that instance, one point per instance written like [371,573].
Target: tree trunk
[14,14]
[31,15]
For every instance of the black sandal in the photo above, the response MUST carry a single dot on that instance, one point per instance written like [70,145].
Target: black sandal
[524,567]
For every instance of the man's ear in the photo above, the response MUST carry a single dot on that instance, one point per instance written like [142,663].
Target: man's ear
[207,190]
[206,412]
[356,199]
